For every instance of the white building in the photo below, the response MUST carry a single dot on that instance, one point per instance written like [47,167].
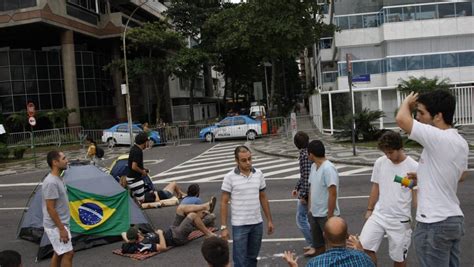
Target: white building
[389,41]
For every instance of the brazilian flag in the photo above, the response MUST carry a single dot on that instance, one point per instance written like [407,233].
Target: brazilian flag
[93,214]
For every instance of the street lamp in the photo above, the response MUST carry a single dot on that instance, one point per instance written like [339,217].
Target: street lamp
[127,96]
[265,65]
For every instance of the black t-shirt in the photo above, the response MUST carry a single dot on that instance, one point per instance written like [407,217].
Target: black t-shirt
[135,155]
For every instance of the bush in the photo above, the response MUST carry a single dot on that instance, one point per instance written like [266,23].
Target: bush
[4,151]
[18,152]
[364,125]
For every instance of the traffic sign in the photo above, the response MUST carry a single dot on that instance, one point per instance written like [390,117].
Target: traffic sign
[30,108]
[32,121]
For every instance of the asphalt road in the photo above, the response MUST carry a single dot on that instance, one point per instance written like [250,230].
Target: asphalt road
[354,192]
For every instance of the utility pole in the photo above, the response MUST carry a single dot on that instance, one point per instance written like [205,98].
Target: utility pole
[349,79]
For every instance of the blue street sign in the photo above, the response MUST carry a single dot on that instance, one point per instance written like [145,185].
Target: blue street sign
[361,78]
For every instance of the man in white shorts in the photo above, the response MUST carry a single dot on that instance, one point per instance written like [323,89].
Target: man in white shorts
[389,208]
[56,213]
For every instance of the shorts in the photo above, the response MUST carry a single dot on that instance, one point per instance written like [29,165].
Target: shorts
[59,247]
[398,232]
[164,194]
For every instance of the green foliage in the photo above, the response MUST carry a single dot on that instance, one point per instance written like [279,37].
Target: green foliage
[91,121]
[422,84]
[18,152]
[187,63]
[4,151]
[364,125]
[58,117]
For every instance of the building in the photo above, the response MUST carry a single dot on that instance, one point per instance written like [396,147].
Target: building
[53,53]
[389,40]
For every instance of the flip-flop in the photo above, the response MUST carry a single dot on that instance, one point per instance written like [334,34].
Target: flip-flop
[212,204]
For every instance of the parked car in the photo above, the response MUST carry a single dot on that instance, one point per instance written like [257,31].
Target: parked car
[232,127]
[119,135]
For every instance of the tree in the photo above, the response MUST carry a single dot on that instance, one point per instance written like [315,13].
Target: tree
[153,44]
[187,65]
[364,121]
[422,84]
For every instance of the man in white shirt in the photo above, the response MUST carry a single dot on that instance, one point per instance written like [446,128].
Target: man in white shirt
[442,165]
[389,208]
[245,187]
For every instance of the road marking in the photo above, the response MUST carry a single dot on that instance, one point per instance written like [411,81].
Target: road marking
[15,208]
[279,239]
[152,161]
[363,169]
[20,184]
[229,164]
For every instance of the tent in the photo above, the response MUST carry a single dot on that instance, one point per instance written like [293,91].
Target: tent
[87,179]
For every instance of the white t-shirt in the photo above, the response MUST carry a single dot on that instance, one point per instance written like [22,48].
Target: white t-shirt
[442,162]
[244,196]
[394,199]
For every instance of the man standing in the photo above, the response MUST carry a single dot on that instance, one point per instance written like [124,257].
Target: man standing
[135,168]
[56,210]
[442,165]
[245,187]
[389,208]
[324,186]
[301,141]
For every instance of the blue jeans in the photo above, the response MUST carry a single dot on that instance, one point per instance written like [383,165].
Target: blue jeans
[438,244]
[302,221]
[246,244]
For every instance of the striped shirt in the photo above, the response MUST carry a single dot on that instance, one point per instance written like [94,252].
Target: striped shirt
[244,196]
[137,187]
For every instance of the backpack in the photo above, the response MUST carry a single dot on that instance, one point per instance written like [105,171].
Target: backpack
[99,152]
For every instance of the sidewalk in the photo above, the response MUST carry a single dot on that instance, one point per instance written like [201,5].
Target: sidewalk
[340,153]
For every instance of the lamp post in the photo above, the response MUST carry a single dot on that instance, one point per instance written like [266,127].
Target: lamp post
[265,65]
[127,96]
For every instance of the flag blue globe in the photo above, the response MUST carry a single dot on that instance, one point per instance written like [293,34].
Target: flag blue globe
[90,213]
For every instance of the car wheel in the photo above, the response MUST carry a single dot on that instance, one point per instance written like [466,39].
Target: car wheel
[209,137]
[111,142]
[251,135]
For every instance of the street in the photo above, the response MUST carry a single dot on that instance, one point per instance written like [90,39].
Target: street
[206,163]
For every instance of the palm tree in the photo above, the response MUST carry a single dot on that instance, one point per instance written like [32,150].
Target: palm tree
[422,84]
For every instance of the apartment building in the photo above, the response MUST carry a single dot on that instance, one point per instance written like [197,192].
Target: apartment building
[390,40]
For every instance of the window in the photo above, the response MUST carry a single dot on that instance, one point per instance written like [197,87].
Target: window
[415,63]
[18,88]
[373,67]
[6,104]
[45,101]
[398,64]
[355,22]
[5,88]
[3,59]
[466,59]
[15,58]
[446,11]
[4,74]
[342,69]
[427,12]
[31,87]
[358,68]
[409,13]
[343,23]
[394,14]
[19,102]
[122,129]
[239,121]
[449,60]
[463,9]
[371,20]
[226,122]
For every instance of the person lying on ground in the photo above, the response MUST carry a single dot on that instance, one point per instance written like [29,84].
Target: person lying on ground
[192,196]
[188,218]
[166,193]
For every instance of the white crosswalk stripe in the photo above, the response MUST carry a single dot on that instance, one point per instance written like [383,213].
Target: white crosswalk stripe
[213,164]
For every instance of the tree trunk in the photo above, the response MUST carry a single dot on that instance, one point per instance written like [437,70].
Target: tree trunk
[208,85]
[226,89]
[158,99]
[191,101]
[166,98]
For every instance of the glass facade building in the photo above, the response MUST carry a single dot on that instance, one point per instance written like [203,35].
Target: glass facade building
[37,76]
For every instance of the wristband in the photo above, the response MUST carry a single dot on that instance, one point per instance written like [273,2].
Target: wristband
[370,209]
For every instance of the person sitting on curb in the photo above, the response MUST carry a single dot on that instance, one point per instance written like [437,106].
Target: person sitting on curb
[188,218]
[336,236]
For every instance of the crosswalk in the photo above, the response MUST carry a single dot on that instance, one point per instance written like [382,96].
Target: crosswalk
[213,164]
